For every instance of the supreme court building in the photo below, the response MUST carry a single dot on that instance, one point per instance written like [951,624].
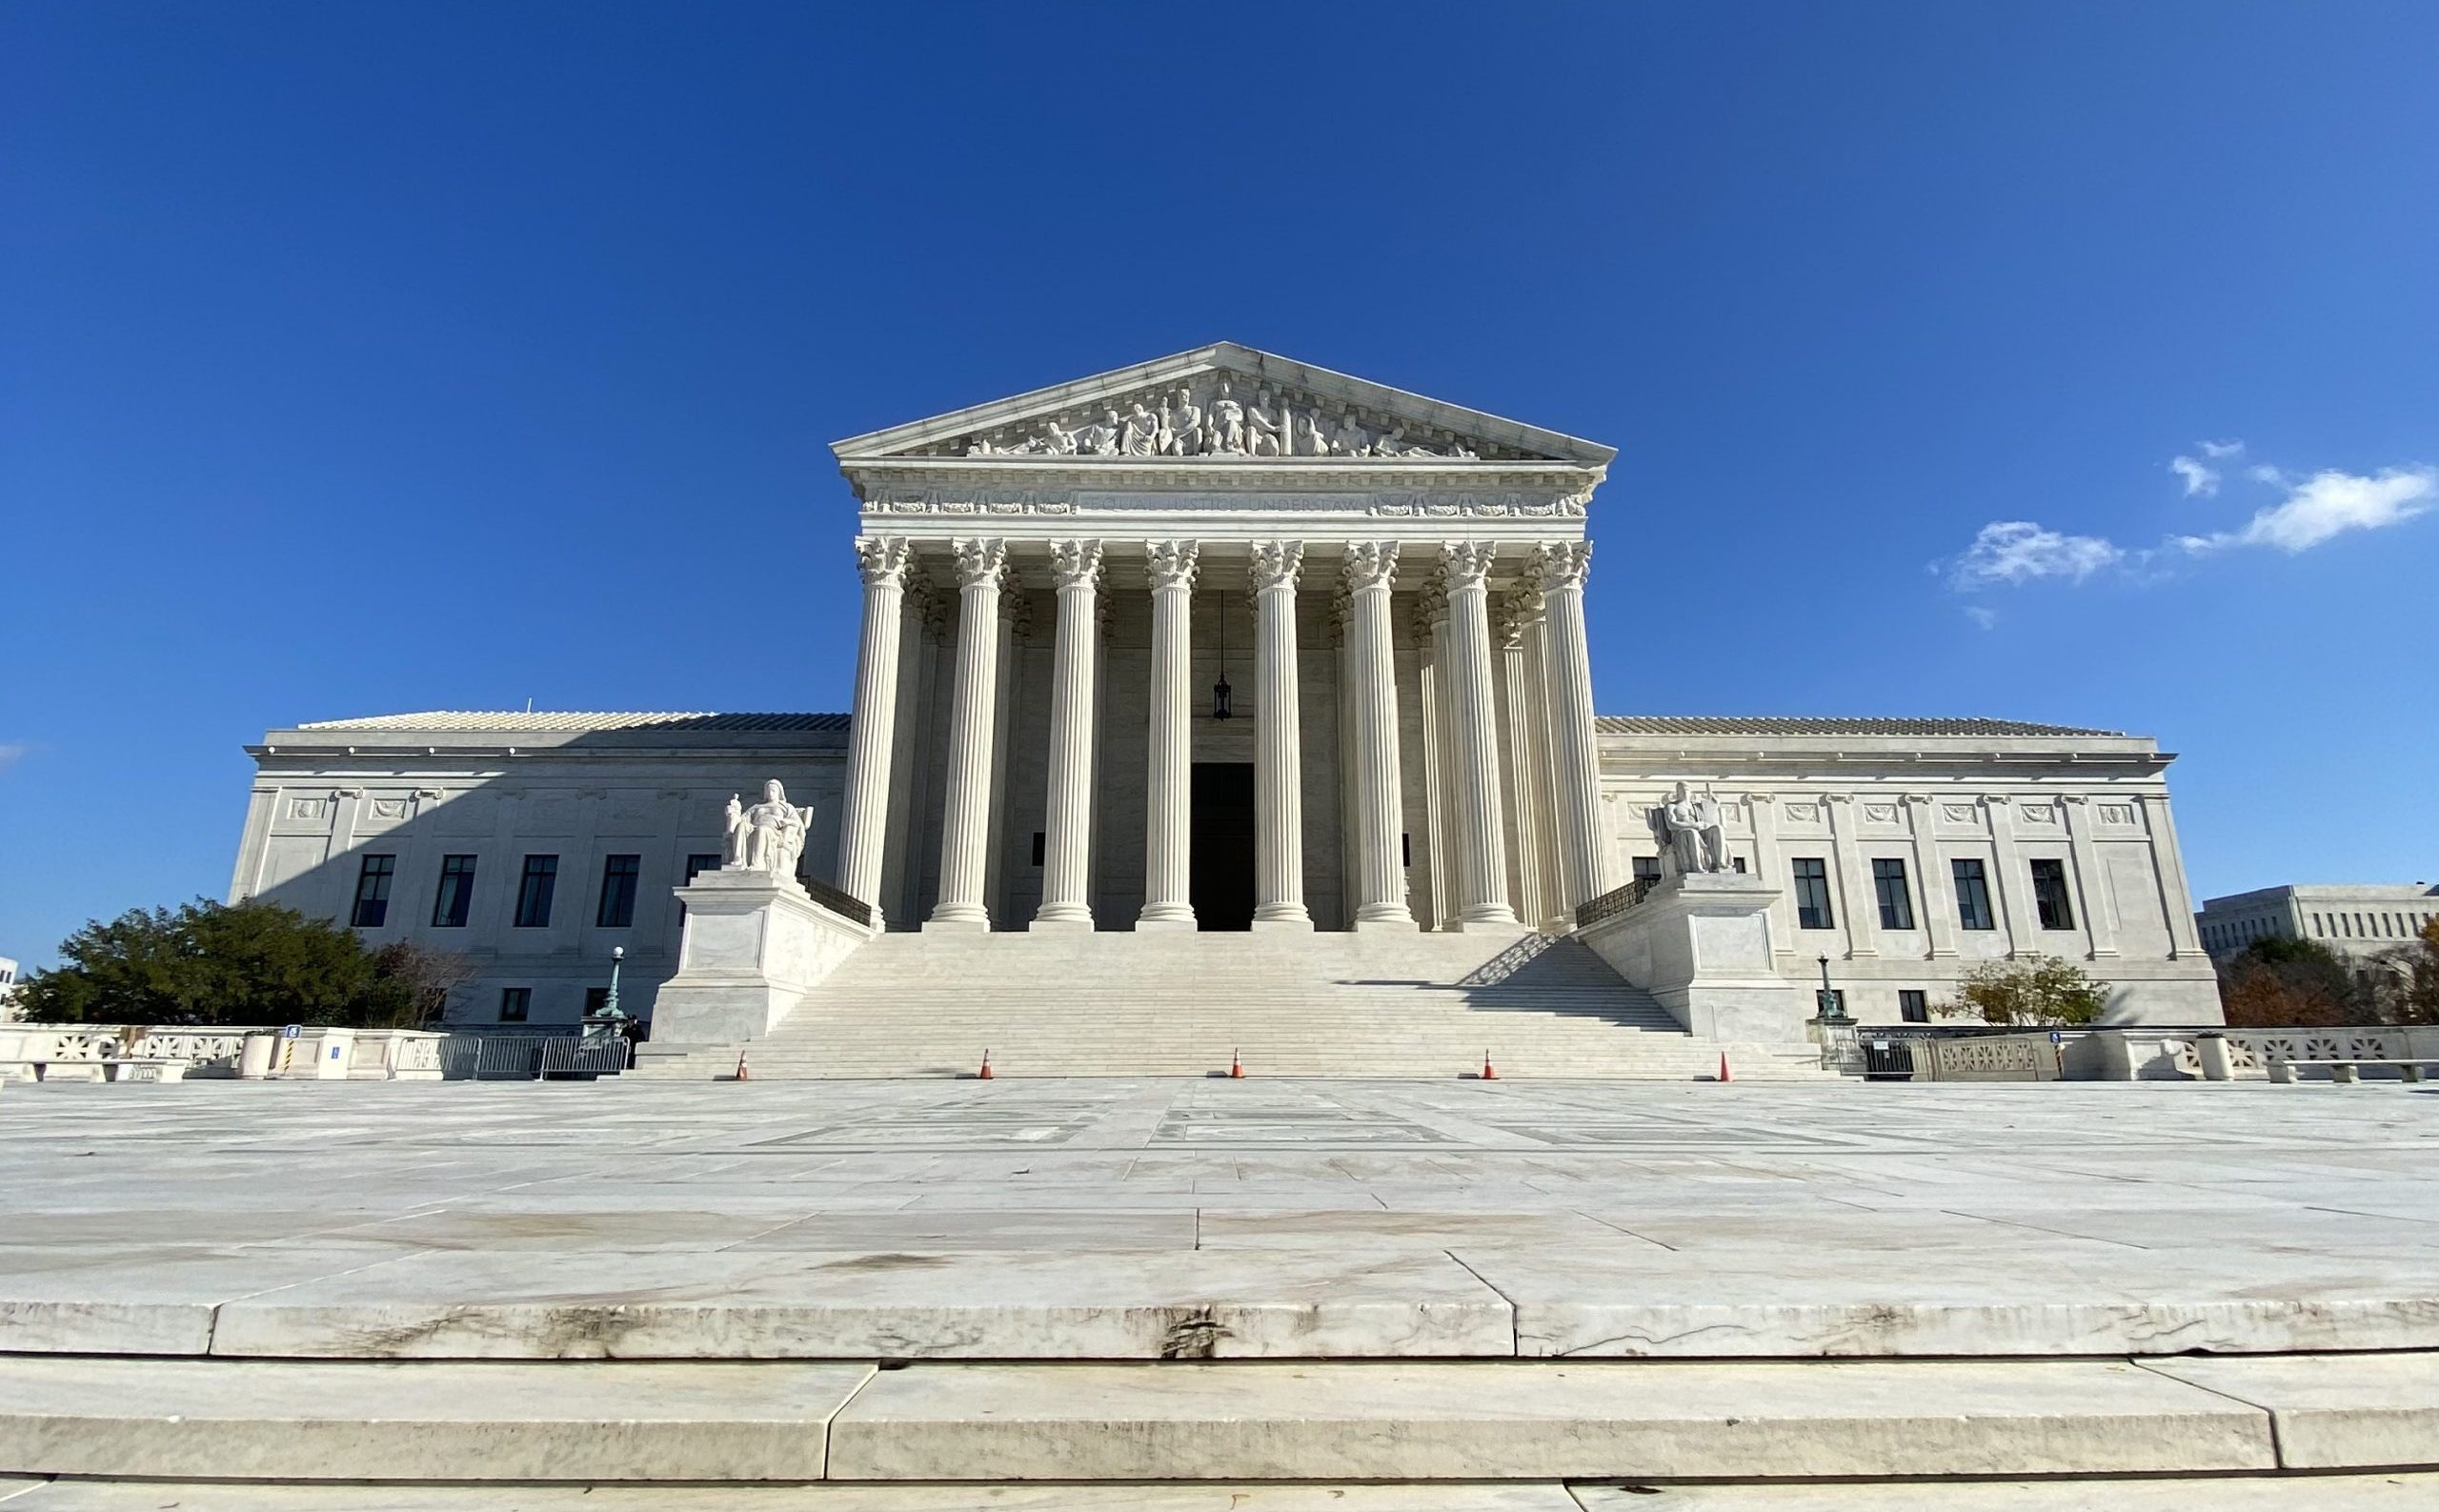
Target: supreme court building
[1227,642]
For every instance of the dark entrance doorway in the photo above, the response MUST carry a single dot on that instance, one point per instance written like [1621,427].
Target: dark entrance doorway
[1222,885]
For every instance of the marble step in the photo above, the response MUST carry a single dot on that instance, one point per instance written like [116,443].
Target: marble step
[744,1422]
[2381,1492]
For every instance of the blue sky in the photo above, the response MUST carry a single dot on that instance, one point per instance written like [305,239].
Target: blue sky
[366,358]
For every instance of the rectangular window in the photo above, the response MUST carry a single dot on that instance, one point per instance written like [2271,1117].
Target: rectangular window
[457,896]
[514,1003]
[1812,894]
[2049,897]
[1972,895]
[619,874]
[373,892]
[596,999]
[1040,846]
[1736,864]
[1896,900]
[1646,869]
[534,892]
[1914,1005]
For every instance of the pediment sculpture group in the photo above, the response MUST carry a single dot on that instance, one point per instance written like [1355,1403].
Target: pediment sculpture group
[1226,426]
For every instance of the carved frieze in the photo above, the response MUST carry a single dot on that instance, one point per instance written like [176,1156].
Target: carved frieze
[1223,416]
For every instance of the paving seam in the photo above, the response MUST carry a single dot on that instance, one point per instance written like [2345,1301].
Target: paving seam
[211,1328]
[2270,1414]
[1515,1328]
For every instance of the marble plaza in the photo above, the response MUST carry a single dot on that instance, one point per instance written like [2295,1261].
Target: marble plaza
[1144,1284]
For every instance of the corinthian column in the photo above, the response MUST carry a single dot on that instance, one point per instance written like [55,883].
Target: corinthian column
[1517,616]
[1575,760]
[863,822]
[965,833]
[1169,797]
[1482,827]
[1279,773]
[1380,807]
[1067,848]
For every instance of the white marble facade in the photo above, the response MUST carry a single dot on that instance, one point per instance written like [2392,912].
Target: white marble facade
[1393,588]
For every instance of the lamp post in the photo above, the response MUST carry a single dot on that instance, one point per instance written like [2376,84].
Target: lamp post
[1829,1009]
[619,953]
[610,1021]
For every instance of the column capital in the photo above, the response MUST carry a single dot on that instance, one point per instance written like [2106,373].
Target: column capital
[1560,564]
[1465,564]
[882,559]
[1278,564]
[980,561]
[1431,606]
[1076,564]
[1370,564]
[1517,612]
[1171,563]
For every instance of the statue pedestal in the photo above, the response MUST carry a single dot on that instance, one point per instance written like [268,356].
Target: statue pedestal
[1701,944]
[754,946]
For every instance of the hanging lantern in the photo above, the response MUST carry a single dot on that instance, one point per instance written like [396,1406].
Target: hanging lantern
[1222,706]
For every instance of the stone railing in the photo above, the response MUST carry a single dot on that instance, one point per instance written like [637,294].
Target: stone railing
[2250,1051]
[211,1051]
[220,1049]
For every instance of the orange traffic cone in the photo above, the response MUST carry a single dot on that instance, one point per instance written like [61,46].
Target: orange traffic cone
[743,1075]
[1489,1074]
[1723,1067]
[1236,1067]
[984,1075]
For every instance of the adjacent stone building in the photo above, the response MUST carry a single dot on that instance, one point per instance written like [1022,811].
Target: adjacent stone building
[2361,921]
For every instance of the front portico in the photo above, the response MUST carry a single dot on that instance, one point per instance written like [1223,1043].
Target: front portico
[1054,584]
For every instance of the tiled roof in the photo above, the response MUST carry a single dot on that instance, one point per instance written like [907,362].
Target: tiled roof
[515,721]
[1694,724]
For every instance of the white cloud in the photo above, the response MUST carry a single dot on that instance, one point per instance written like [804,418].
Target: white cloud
[9,755]
[2198,478]
[2022,552]
[2217,449]
[1983,617]
[2328,504]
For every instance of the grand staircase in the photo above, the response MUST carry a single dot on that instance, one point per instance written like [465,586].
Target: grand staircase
[1118,1003]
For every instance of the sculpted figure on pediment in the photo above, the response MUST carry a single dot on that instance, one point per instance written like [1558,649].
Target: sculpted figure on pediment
[1141,435]
[1181,425]
[1265,428]
[1350,438]
[1227,420]
[1099,438]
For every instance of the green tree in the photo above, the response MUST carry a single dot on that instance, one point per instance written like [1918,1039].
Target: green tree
[243,963]
[2283,983]
[2039,991]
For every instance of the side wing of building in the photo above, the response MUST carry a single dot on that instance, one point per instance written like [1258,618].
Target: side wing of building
[1909,851]
[531,844]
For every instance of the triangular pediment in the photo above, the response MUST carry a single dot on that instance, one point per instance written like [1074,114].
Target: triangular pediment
[1224,404]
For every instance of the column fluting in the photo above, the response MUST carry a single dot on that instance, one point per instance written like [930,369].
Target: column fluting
[1482,826]
[1517,612]
[1371,570]
[1169,789]
[1279,732]
[1575,760]
[965,831]
[1067,843]
[863,820]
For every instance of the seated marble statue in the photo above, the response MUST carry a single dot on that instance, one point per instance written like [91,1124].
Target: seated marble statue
[1697,839]
[768,837]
